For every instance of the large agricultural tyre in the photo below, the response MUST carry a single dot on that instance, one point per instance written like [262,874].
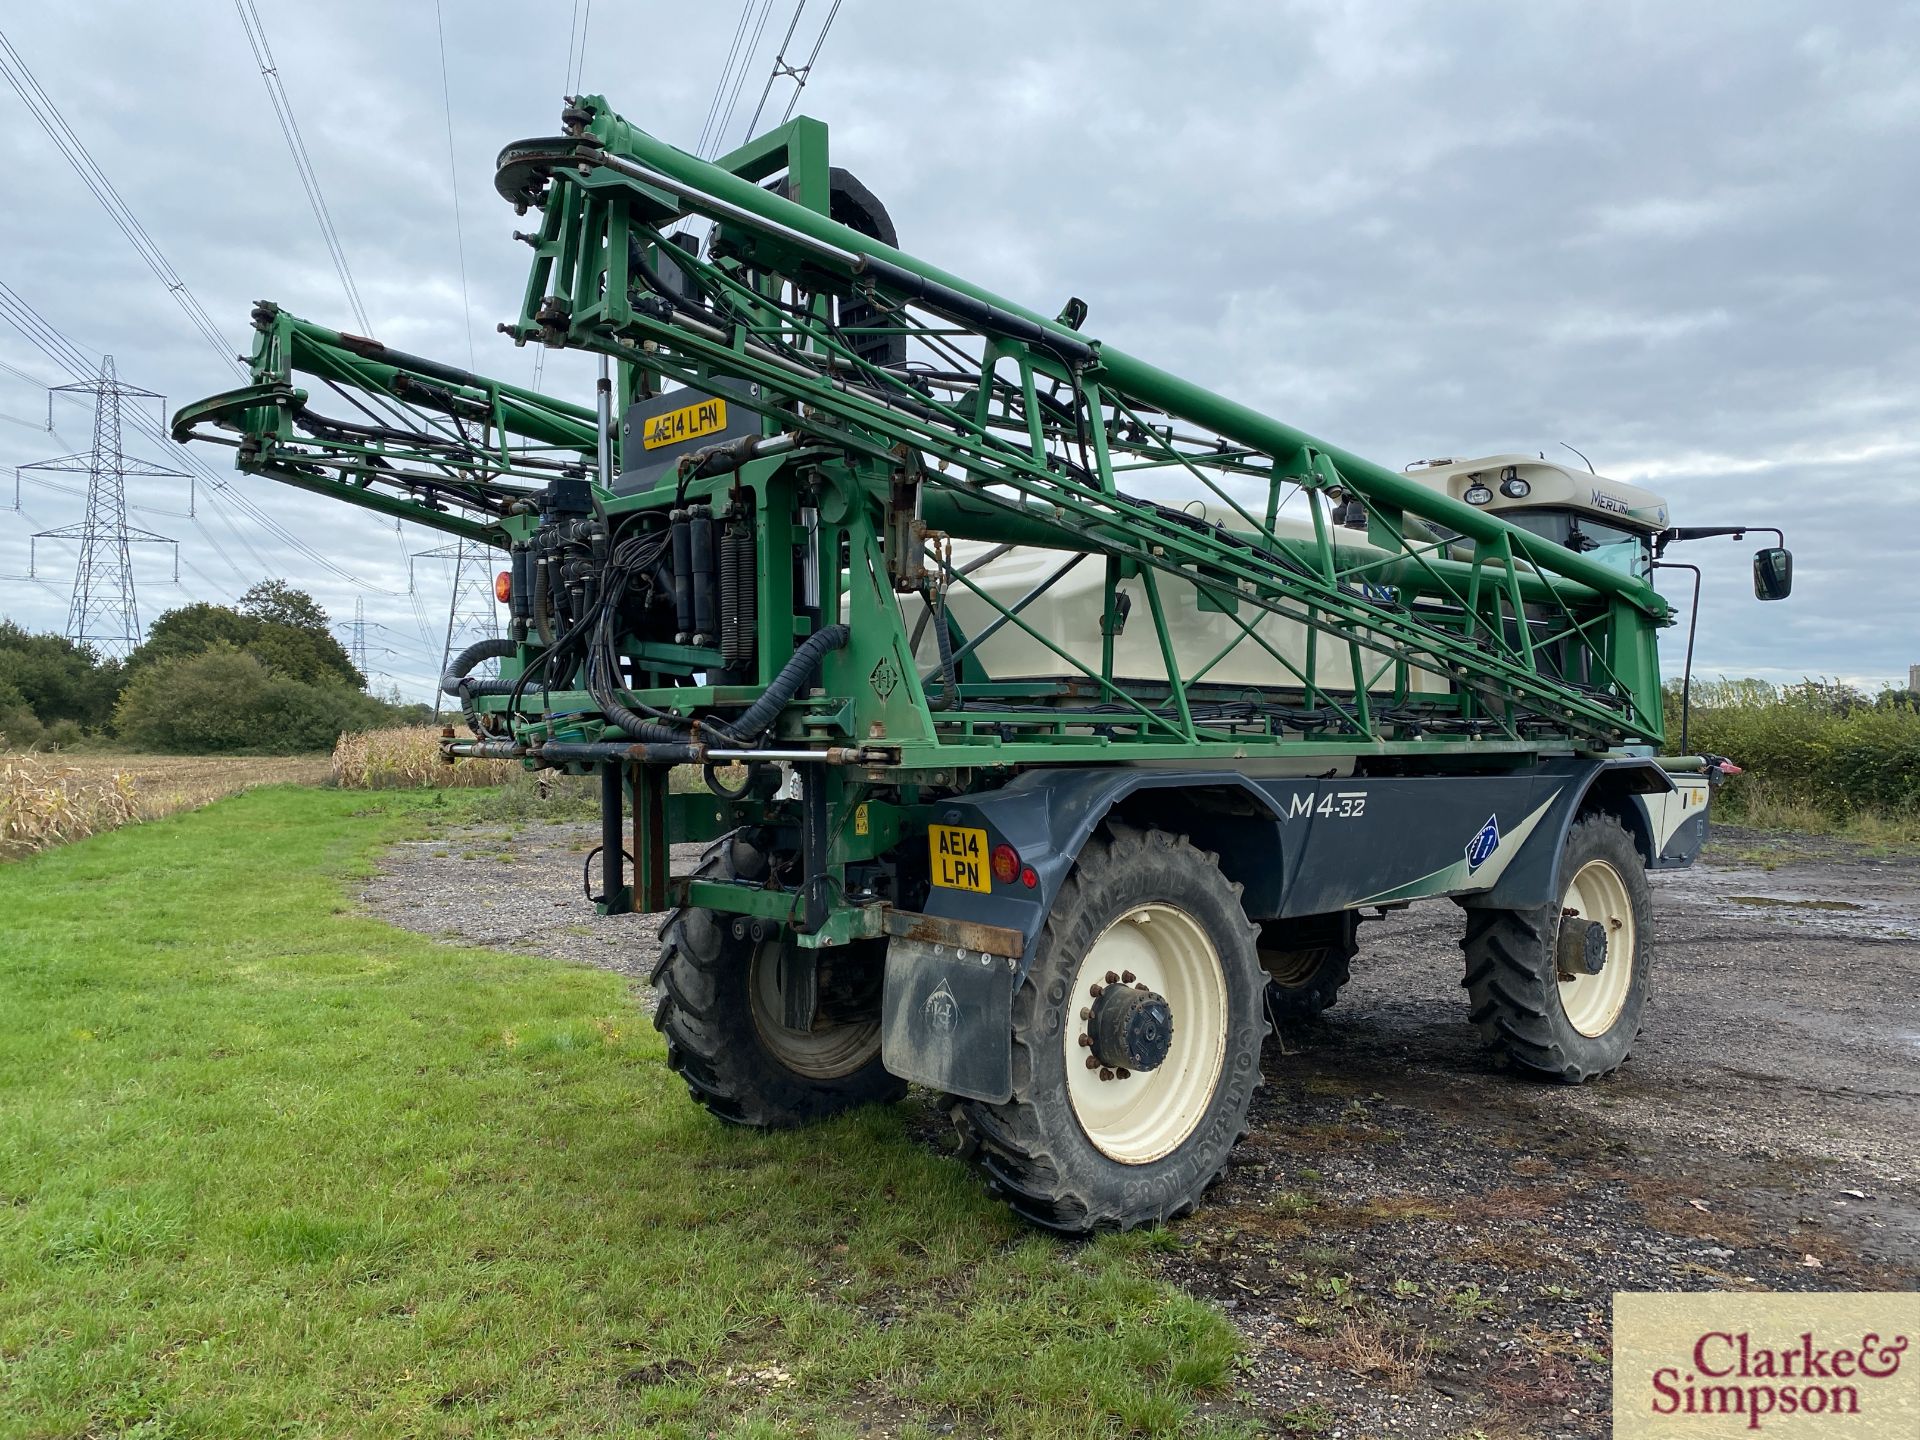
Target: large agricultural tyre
[1307,964]
[1560,989]
[721,1010]
[1136,1042]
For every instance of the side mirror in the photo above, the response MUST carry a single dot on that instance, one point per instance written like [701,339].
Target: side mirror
[1772,574]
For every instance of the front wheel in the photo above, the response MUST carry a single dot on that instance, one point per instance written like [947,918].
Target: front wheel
[721,1007]
[1136,1037]
[1560,990]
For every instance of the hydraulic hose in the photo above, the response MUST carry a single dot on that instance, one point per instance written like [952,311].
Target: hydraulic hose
[760,715]
[943,642]
[634,725]
[458,683]
[602,751]
[458,667]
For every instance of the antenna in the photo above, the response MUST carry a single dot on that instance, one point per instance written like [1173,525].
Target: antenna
[1590,469]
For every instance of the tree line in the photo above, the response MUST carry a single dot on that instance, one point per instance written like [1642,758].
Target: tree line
[264,675]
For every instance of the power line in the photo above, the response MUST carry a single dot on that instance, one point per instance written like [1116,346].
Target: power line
[740,78]
[40,105]
[726,70]
[63,352]
[302,162]
[780,65]
[453,173]
[800,76]
[573,27]
[576,70]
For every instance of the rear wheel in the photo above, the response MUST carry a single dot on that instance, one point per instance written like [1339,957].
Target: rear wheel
[1307,961]
[723,1010]
[1136,1041]
[1560,990]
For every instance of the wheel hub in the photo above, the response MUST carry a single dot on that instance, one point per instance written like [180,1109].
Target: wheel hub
[1131,1028]
[1581,948]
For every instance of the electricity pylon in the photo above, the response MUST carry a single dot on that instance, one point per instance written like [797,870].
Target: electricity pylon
[472,613]
[357,650]
[105,612]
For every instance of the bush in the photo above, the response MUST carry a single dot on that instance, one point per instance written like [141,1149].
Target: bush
[1816,744]
[52,680]
[225,700]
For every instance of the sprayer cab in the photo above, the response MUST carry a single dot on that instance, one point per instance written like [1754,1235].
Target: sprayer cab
[1590,513]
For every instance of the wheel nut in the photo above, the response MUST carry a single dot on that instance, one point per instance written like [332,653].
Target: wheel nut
[1113,979]
[1095,990]
[1106,1074]
[1122,1074]
[1086,1012]
[1127,976]
[1093,1062]
[1086,1042]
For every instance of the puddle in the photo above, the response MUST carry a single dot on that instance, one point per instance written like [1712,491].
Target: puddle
[1794,904]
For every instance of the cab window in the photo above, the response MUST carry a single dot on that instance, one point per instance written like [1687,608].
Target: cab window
[1614,546]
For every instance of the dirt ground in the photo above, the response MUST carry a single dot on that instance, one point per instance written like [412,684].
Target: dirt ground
[1414,1243]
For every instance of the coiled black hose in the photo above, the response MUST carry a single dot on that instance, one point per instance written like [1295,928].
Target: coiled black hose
[632,724]
[459,683]
[759,716]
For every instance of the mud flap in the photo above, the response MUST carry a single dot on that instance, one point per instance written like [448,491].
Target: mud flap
[947,1019]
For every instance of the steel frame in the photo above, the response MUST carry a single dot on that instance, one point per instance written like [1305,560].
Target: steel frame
[1006,427]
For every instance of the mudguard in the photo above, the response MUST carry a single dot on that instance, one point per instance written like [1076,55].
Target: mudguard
[1296,846]
[1614,785]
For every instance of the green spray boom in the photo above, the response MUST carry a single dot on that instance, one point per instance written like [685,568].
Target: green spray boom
[1005,426]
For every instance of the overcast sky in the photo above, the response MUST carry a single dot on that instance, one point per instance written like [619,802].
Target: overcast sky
[1680,237]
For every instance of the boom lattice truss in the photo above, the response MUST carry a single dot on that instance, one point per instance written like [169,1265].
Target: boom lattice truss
[916,407]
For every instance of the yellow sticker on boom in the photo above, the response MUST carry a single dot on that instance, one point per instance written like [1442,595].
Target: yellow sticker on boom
[959,858]
[689,422]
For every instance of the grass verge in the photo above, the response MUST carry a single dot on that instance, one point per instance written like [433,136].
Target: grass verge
[1879,831]
[267,1166]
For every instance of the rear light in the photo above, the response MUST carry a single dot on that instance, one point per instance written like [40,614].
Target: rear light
[503,587]
[1006,864]
[1030,877]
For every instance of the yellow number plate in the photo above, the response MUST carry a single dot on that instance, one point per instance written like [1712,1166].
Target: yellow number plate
[689,422]
[959,858]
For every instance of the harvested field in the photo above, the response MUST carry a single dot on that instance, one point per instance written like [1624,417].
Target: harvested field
[407,757]
[52,798]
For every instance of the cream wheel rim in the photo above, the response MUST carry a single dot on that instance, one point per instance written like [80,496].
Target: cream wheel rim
[826,1052]
[1137,1117]
[1597,895]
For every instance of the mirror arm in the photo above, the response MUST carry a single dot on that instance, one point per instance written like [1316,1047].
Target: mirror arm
[1701,532]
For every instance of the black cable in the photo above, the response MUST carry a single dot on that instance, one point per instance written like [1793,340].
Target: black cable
[586,872]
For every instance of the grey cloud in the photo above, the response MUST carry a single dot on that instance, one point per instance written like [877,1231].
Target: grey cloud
[1678,237]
